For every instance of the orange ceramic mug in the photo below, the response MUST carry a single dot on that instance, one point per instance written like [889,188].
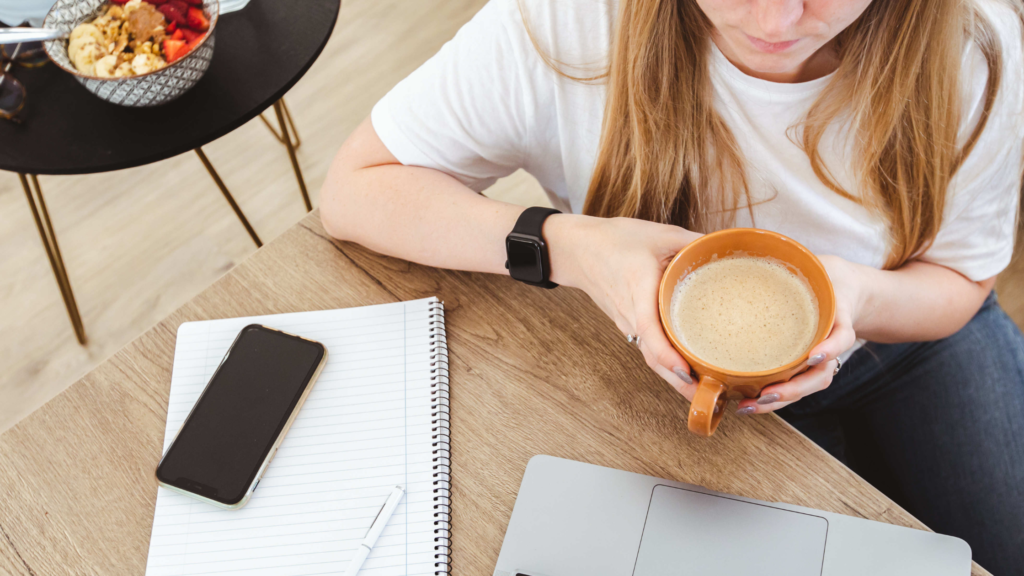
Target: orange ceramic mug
[718,385]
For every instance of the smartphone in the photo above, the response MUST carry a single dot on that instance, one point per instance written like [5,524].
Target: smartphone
[236,426]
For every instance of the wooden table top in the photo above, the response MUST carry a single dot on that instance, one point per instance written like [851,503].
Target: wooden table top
[532,371]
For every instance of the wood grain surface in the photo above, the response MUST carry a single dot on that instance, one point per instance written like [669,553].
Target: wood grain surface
[532,371]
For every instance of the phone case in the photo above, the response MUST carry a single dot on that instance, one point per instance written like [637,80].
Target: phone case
[277,441]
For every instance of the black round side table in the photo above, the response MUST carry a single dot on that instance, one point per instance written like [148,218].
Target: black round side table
[262,51]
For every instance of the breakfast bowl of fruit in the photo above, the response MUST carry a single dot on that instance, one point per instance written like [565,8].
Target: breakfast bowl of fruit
[134,52]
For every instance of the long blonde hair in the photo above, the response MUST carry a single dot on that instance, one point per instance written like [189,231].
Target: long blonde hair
[667,155]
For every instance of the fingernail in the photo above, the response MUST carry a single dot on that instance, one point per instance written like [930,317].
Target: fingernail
[746,411]
[682,375]
[816,359]
[769,398]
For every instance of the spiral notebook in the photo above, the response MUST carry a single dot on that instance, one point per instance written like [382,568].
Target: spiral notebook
[377,417]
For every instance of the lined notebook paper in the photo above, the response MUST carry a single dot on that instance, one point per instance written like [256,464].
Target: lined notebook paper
[376,418]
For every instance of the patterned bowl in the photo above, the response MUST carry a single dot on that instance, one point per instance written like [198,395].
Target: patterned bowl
[150,89]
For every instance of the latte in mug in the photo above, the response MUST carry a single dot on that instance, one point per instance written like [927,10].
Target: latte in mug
[745,313]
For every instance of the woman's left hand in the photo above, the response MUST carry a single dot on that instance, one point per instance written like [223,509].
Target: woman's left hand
[822,357]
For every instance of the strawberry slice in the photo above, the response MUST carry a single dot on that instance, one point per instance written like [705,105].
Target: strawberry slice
[172,27]
[180,5]
[195,2]
[179,35]
[191,35]
[172,14]
[174,49]
[197,20]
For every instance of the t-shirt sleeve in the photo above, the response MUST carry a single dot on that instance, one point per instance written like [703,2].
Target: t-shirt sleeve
[979,223]
[468,110]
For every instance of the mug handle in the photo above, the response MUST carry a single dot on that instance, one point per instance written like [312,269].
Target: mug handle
[707,407]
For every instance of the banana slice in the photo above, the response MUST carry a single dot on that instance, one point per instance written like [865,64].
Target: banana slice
[75,45]
[125,69]
[105,67]
[144,63]
[87,30]
[86,57]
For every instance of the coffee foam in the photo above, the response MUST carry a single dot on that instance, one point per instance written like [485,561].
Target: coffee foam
[745,313]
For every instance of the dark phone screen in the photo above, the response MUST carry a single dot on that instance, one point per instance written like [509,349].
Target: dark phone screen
[233,425]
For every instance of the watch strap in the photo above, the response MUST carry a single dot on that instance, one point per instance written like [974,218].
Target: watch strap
[531,223]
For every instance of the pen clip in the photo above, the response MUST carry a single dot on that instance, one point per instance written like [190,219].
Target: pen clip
[375,518]
[382,507]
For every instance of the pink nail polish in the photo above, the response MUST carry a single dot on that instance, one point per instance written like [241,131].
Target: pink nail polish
[682,375]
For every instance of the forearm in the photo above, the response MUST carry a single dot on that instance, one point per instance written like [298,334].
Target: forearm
[917,302]
[416,214]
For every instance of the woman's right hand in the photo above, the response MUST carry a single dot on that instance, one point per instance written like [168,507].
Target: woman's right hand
[619,262]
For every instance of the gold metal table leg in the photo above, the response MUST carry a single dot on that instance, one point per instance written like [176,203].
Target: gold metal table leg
[228,197]
[291,126]
[34,194]
[281,110]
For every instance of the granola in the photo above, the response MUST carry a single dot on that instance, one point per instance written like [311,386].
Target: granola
[132,37]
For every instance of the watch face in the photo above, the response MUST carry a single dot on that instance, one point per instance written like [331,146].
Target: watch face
[524,260]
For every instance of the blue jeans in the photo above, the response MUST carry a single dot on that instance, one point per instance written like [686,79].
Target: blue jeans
[939,428]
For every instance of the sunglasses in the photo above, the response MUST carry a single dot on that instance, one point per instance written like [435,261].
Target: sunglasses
[12,91]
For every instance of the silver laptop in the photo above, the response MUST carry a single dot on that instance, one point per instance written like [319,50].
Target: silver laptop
[575,519]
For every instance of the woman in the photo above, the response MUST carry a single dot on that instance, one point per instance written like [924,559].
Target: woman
[886,136]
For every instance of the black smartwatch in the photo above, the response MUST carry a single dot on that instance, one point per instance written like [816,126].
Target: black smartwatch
[526,250]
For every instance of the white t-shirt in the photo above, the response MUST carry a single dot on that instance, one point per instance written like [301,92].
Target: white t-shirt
[486,104]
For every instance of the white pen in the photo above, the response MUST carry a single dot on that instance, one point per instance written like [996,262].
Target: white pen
[375,529]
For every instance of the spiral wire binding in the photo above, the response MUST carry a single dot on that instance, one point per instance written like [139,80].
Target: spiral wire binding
[441,431]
